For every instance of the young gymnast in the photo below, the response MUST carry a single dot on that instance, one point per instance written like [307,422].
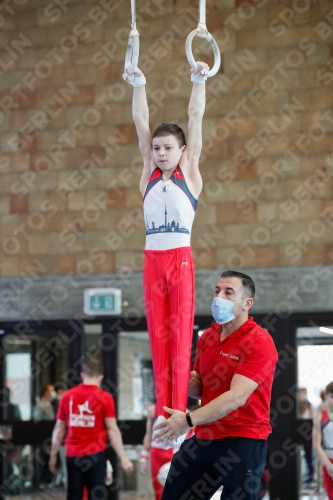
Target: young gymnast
[170,185]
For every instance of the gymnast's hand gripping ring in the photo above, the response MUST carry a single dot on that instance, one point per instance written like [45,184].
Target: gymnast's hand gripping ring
[202,32]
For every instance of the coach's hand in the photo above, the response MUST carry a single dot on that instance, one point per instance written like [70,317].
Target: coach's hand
[126,464]
[173,427]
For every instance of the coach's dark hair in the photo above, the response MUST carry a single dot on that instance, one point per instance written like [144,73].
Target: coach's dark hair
[329,388]
[92,367]
[247,282]
[170,129]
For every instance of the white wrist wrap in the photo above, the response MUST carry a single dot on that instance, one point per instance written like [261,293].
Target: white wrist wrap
[135,80]
[108,466]
[199,77]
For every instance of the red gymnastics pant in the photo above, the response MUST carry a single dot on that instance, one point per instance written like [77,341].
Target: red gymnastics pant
[158,457]
[168,280]
[328,482]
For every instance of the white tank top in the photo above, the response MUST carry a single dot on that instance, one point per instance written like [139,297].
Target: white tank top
[169,210]
[327,434]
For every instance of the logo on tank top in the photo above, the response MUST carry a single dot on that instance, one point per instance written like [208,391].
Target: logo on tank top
[164,188]
[84,418]
[167,227]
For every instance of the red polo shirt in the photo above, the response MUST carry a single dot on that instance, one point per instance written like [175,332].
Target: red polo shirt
[250,351]
[84,409]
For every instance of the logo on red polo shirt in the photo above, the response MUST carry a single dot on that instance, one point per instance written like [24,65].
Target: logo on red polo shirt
[84,418]
[228,355]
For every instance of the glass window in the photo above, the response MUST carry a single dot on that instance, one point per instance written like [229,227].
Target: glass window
[18,379]
[135,376]
[35,376]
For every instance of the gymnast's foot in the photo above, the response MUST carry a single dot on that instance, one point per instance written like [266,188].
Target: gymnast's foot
[160,419]
[177,441]
[174,444]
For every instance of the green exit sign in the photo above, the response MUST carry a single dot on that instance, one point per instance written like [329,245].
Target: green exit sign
[102,301]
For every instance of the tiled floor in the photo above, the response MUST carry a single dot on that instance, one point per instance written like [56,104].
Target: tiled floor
[38,495]
[313,496]
[132,496]
[62,496]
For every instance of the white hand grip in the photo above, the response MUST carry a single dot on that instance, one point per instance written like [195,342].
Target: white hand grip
[215,47]
[132,52]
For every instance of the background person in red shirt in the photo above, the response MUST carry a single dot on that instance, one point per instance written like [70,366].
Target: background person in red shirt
[233,375]
[87,414]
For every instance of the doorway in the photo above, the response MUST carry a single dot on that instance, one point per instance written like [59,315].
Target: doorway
[314,373]
[35,370]
[30,365]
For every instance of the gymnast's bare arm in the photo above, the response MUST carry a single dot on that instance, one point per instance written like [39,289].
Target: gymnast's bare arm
[189,162]
[195,386]
[140,113]
[58,435]
[149,428]
[116,442]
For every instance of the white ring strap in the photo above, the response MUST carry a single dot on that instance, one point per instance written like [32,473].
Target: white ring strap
[132,52]
[133,46]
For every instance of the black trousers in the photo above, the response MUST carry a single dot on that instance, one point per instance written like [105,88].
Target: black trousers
[200,467]
[88,471]
[309,460]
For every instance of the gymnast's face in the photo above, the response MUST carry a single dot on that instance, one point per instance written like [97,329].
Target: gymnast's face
[166,152]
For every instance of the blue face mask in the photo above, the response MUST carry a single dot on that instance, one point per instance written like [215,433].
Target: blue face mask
[222,310]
